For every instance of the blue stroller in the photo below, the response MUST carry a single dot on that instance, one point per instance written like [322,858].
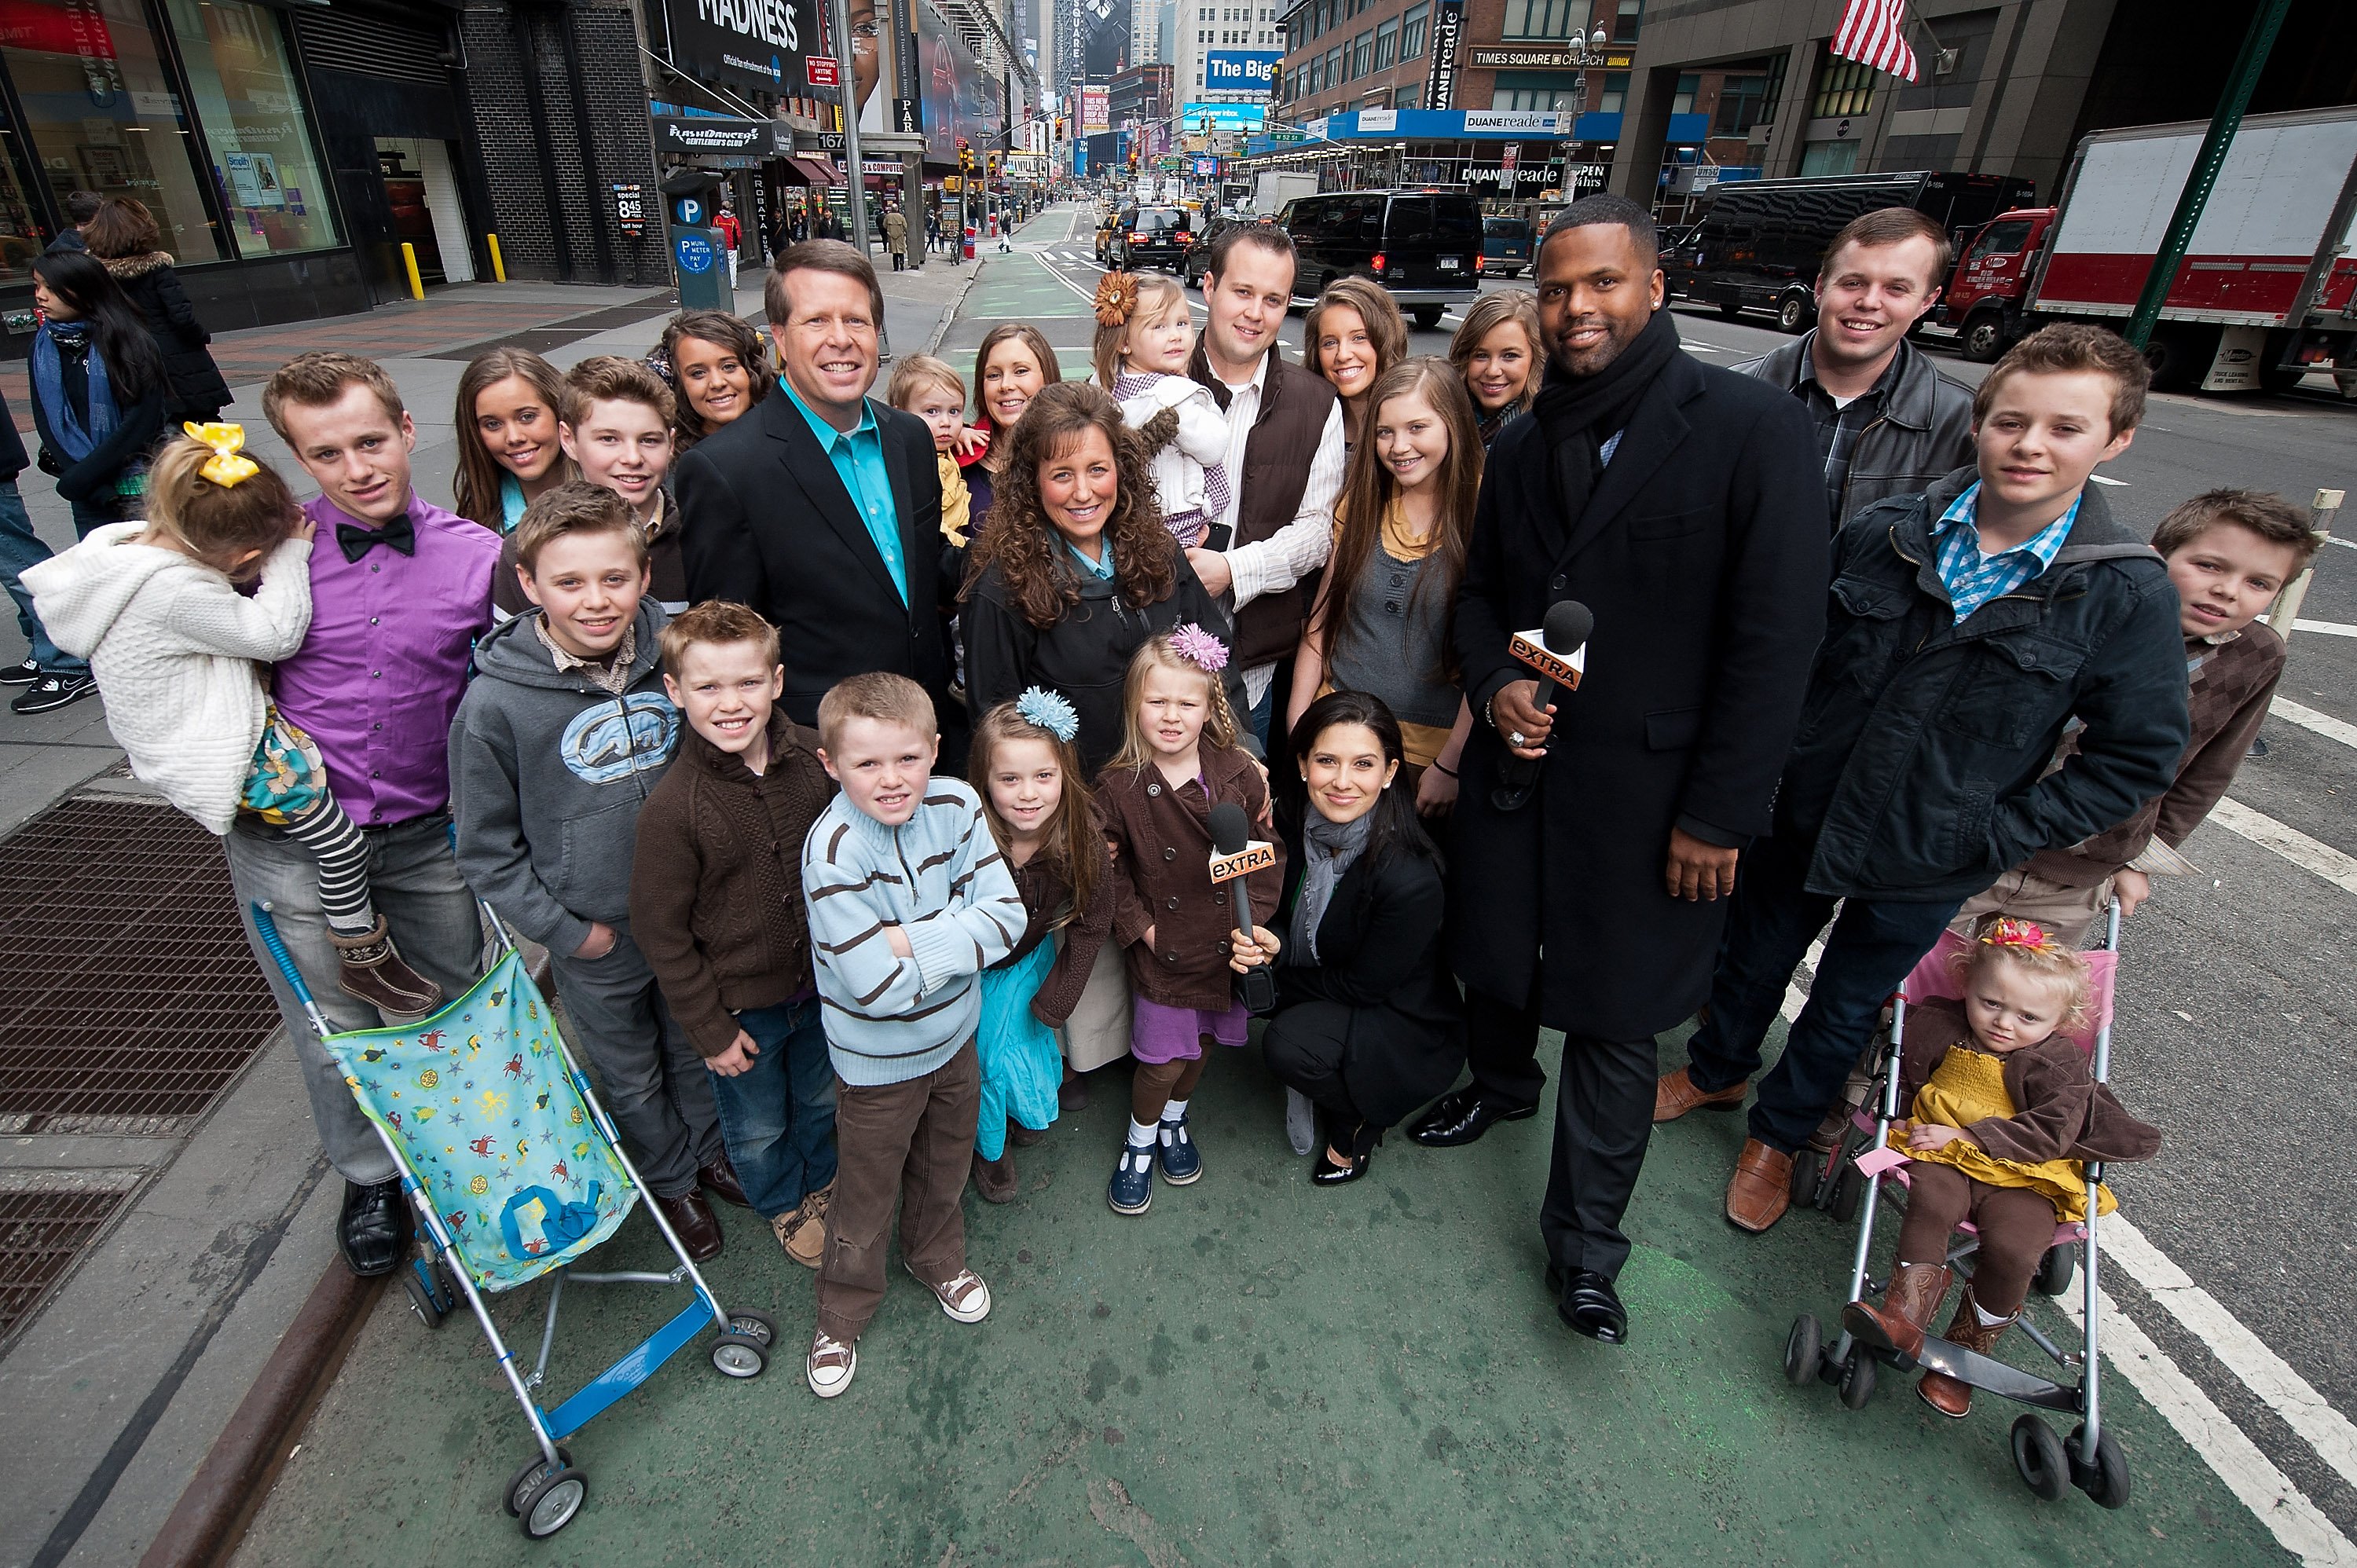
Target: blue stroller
[1862,1171]
[515,1171]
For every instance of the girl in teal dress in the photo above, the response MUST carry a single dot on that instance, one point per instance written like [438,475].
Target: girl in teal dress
[1024,768]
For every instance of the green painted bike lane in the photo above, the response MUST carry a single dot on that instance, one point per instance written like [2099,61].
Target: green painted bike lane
[1256,1371]
[1022,287]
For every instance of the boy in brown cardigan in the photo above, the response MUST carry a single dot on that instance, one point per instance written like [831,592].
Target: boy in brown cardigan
[2230,553]
[716,902]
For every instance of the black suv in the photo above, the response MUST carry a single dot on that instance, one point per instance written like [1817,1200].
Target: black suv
[1150,237]
[1425,246]
[1199,255]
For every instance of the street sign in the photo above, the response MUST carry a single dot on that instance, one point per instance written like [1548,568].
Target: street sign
[689,212]
[695,253]
[823,70]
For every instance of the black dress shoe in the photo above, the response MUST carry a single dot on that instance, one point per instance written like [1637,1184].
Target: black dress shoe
[1329,1174]
[372,1228]
[1588,1302]
[1463,1116]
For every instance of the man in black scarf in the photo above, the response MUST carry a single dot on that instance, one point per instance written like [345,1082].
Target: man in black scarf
[1683,505]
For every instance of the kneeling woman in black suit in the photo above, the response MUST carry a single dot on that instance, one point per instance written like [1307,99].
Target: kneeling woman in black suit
[1368,1022]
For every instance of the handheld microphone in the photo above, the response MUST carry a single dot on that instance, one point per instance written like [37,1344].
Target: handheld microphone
[1558,652]
[1235,854]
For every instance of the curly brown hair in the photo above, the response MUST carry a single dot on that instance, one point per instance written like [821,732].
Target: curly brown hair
[1024,544]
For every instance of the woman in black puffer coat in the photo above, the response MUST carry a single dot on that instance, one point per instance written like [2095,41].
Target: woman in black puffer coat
[125,237]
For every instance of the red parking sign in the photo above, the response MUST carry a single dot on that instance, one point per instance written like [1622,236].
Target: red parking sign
[824,70]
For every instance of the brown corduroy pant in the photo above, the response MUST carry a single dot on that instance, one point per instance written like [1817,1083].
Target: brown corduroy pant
[911,1140]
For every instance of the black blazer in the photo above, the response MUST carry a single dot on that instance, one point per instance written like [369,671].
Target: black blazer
[1703,554]
[766,522]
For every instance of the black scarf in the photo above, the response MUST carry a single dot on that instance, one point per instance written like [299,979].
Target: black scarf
[1580,412]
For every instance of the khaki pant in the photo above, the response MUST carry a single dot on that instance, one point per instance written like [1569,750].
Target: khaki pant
[913,1141]
[1098,1030]
[2065,911]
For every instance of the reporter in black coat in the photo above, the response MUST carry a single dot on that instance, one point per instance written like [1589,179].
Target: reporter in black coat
[1368,1024]
[767,520]
[1683,505]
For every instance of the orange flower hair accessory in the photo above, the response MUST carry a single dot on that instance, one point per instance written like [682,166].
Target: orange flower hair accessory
[2006,932]
[1116,298]
[225,467]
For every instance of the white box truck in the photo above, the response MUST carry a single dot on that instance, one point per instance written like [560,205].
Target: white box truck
[1274,187]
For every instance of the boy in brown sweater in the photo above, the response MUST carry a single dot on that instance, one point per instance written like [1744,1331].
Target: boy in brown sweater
[715,903]
[2230,553]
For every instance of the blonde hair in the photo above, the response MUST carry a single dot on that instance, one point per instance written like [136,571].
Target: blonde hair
[1156,296]
[920,374]
[2063,970]
[1220,728]
[716,622]
[879,696]
[216,524]
[1069,838]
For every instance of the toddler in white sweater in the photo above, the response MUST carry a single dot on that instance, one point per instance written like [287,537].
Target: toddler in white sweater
[1144,339]
[179,655]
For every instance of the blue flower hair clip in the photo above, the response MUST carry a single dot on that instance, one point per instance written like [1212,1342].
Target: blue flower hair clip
[1052,711]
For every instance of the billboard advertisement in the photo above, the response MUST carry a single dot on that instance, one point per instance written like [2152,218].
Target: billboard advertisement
[1238,70]
[1244,118]
[1096,110]
[958,99]
[743,43]
[1104,33]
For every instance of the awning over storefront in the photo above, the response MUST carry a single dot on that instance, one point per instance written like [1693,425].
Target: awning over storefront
[815,171]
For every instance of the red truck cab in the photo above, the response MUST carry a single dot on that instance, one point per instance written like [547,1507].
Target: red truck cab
[1984,295]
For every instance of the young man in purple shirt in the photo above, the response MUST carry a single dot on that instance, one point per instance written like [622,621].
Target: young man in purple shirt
[400,591]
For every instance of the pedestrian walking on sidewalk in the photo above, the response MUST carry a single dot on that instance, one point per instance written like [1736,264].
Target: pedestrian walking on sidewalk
[896,236]
[56,677]
[732,235]
[98,389]
[123,235]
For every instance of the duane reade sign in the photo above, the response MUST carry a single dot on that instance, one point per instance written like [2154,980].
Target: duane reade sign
[749,43]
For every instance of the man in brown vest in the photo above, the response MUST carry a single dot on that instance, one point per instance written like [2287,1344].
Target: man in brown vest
[1279,523]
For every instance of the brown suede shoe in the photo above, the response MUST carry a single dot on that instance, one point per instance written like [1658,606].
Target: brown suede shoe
[1023,1137]
[371,969]
[691,1220]
[1897,1325]
[1675,1095]
[1966,1332]
[995,1179]
[719,1178]
[1761,1189]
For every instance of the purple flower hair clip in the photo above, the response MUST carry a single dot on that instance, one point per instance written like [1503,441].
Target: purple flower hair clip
[1052,711]
[1199,648]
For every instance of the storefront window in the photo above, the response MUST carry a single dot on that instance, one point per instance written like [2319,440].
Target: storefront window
[101,115]
[21,234]
[265,165]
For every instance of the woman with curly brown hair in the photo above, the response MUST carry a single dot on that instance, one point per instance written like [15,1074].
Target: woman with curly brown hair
[719,367]
[1076,569]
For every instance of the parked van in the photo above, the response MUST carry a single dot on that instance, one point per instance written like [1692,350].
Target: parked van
[1424,246]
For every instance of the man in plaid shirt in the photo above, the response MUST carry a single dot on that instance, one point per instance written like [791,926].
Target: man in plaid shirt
[1967,626]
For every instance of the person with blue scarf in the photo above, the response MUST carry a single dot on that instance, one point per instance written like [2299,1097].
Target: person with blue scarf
[1368,1024]
[98,389]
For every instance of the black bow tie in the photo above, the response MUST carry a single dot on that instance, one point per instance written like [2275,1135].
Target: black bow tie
[400,534]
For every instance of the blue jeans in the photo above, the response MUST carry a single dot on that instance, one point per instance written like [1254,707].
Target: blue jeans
[1774,918]
[778,1119]
[1262,712]
[20,547]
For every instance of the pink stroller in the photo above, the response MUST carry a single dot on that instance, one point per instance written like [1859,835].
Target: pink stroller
[2049,1465]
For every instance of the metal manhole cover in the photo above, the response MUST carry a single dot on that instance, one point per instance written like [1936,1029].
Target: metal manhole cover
[41,1233]
[131,991]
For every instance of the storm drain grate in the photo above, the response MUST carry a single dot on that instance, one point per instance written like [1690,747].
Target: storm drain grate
[131,991]
[41,1233]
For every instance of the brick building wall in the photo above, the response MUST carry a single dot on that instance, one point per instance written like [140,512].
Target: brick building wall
[538,76]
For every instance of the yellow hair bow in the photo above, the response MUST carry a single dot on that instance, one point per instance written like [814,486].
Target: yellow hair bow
[225,467]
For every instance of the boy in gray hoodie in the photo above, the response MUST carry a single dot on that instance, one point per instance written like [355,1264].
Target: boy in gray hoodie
[563,735]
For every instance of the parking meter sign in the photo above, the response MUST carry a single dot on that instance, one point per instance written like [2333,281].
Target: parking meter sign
[695,253]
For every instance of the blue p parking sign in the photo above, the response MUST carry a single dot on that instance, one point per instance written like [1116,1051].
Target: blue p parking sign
[688,212]
[695,253]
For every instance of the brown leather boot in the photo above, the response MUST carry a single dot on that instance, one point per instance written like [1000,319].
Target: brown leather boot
[371,969]
[1674,1094]
[995,1179]
[1897,1325]
[1966,1332]
[1761,1189]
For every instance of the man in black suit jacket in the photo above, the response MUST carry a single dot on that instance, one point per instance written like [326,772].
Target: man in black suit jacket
[1682,504]
[821,509]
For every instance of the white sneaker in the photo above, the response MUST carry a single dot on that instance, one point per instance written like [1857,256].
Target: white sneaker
[830,1365]
[965,1298]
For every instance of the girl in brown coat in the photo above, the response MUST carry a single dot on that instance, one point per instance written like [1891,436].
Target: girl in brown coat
[1153,803]
[2002,1112]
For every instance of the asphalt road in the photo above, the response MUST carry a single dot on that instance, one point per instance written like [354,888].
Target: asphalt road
[2238,1004]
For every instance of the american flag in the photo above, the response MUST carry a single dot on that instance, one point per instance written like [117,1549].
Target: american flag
[1873,32]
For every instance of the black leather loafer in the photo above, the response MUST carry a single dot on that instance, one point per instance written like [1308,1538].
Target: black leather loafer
[1591,1306]
[1460,1117]
[372,1228]
[1329,1174]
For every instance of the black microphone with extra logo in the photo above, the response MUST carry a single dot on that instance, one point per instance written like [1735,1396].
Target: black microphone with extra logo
[1558,651]
[1235,854]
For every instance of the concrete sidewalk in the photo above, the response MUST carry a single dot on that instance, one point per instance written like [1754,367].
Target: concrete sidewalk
[137,1360]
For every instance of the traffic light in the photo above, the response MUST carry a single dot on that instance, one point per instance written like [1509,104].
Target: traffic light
[1277,79]
[992,169]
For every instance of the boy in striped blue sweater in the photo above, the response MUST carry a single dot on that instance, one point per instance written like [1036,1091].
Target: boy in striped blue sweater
[910,901]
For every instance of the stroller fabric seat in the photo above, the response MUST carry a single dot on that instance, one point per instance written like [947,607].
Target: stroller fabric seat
[480,1104]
